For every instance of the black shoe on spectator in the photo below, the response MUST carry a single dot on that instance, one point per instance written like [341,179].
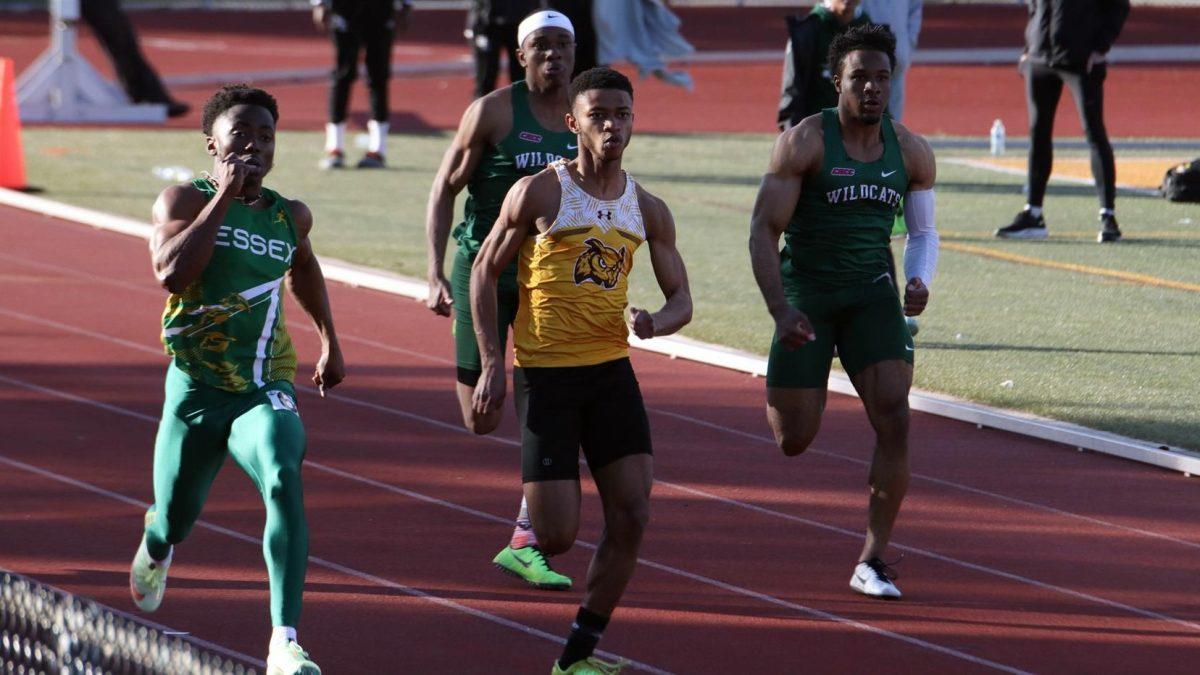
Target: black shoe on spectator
[1109,232]
[177,108]
[1024,226]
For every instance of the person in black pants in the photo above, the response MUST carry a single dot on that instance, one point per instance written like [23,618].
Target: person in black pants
[114,30]
[492,29]
[1065,43]
[355,25]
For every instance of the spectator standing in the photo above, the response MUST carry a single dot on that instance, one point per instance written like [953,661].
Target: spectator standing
[807,83]
[116,34]
[644,33]
[492,29]
[1067,42]
[903,18]
[368,26]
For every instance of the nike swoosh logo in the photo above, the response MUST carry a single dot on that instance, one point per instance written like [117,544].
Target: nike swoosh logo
[572,147]
[907,348]
[861,578]
[888,173]
[523,563]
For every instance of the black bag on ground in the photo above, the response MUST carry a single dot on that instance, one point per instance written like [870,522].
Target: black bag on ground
[1182,183]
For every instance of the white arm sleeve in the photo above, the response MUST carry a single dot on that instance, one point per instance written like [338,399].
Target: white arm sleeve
[921,249]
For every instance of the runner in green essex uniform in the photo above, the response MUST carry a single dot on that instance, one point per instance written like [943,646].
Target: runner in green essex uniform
[512,132]
[833,188]
[224,246]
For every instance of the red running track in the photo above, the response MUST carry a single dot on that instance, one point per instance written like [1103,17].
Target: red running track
[1019,554]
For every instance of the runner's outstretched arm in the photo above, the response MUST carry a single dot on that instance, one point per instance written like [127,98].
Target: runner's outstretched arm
[777,197]
[307,284]
[669,270]
[459,163]
[516,222]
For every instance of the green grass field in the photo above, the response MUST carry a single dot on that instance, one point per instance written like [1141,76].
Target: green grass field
[1096,351]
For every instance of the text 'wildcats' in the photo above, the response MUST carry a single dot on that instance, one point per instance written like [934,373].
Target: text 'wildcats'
[525,160]
[869,191]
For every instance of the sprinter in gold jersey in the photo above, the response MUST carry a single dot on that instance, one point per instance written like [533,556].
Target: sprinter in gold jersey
[573,229]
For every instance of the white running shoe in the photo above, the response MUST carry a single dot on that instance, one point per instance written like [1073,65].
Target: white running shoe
[288,658]
[148,578]
[874,578]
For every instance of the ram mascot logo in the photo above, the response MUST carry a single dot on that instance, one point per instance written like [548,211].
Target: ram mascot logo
[600,264]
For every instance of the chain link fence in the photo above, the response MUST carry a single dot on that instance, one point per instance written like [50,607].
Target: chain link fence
[44,631]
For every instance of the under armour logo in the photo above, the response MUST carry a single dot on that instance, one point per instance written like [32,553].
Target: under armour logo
[604,215]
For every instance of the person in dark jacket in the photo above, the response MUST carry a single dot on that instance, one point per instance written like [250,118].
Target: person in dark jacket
[807,83]
[1066,42]
[492,29]
[116,34]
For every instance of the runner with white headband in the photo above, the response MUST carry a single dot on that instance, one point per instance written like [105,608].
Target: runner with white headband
[543,19]
[509,133]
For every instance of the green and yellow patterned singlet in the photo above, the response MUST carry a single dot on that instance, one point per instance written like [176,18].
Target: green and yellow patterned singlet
[226,329]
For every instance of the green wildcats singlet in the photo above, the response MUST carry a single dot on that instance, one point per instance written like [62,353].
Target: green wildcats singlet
[841,229]
[226,329]
[525,151]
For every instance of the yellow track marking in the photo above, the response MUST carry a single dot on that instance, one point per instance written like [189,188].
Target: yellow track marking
[1141,172]
[1130,277]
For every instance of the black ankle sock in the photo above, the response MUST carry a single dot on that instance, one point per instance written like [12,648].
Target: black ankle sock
[585,635]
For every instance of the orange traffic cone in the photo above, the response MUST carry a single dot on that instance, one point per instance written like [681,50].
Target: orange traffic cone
[12,158]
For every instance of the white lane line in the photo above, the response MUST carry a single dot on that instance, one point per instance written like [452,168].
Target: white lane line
[147,290]
[320,562]
[731,502]
[939,481]
[681,417]
[738,590]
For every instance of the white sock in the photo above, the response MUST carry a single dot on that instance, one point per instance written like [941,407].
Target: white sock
[335,135]
[1034,211]
[281,635]
[378,132]
[1107,212]
[165,563]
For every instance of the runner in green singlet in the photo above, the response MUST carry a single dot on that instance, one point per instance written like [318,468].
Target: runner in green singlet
[833,188]
[224,246]
[512,132]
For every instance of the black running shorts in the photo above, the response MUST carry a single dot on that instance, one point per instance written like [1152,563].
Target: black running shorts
[598,409]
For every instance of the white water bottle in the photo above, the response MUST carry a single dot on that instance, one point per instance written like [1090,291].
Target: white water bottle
[997,145]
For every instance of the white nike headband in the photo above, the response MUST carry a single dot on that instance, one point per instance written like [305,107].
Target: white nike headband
[544,19]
